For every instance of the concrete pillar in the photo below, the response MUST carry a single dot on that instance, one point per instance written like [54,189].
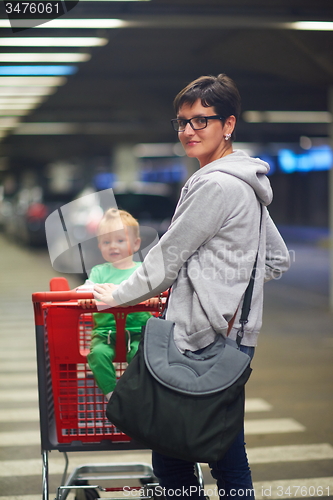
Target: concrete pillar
[330,104]
[125,163]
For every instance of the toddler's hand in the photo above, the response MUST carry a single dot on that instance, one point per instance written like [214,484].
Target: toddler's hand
[87,303]
[154,301]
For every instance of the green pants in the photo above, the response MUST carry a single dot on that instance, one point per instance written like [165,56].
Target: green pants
[101,356]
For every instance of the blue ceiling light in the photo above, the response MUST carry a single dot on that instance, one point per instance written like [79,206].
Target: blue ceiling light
[50,70]
[316,159]
[287,161]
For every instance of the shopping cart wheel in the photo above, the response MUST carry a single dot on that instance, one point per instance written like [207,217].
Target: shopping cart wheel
[85,493]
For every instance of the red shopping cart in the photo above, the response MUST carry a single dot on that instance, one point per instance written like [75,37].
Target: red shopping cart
[71,406]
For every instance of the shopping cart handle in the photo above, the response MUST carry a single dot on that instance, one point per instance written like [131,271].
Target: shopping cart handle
[62,296]
[65,296]
[42,300]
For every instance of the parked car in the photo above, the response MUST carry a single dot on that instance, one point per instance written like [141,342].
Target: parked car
[26,214]
[5,209]
[150,203]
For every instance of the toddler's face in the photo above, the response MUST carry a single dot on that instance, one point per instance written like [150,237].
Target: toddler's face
[118,244]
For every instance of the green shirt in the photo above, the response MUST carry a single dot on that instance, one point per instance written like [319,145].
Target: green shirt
[104,322]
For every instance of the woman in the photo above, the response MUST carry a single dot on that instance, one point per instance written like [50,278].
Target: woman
[207,256]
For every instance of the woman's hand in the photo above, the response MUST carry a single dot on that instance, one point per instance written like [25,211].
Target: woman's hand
[103,292]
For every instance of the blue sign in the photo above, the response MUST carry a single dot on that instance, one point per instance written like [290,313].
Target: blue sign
[316,159]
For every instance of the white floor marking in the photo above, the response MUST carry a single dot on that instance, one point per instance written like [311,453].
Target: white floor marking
[14,396]
[17,354]
[33,467]
[272,426]
[24,438]
[18,366]
[19,415]
[22,379]
[256,404]
[290,453]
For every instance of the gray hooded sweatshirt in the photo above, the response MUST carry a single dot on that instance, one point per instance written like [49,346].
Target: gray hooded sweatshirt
[208,252]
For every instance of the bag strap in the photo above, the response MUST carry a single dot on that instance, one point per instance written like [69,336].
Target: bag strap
[163,307]
[246,307]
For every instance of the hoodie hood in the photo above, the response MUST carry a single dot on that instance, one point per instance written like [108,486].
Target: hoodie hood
[253,171]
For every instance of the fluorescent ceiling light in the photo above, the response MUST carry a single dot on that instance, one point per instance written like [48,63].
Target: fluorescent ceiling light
[8,122]
[38,70]
[72,41]
[43,81]
[191,21]
[13,106]
[65,23]
[47,128]
[44,57]
[57,128]
[20,100]
[27,91]
[155,150]
[14,112]
[287,116]
[312,25]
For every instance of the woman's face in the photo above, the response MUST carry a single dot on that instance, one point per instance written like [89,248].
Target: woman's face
[209,143]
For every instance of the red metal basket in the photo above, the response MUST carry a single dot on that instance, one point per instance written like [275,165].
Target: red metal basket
[78,404]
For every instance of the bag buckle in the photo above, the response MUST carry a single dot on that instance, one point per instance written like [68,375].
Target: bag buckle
[240,332]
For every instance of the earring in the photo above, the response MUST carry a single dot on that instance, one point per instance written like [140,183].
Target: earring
[227,137]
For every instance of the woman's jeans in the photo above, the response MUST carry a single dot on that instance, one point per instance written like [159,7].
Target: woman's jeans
[232,473]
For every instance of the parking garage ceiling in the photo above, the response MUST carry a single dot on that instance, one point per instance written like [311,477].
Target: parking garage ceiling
[124,91]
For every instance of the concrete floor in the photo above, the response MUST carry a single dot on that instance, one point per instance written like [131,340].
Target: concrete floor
[289,430]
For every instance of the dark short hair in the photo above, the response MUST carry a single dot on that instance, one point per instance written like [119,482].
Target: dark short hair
[219,91]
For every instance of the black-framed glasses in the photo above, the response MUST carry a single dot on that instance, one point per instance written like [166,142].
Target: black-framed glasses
[197,123]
